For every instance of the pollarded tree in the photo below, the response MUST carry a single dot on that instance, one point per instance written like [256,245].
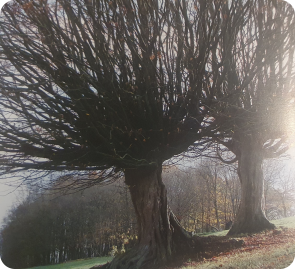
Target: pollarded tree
[254,112]
[113,86]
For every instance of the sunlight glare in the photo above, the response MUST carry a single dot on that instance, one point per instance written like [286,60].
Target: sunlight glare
[289,124]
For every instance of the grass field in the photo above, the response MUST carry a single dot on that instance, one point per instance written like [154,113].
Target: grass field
[264,258]
[78,264]
[286,222]
[264,251]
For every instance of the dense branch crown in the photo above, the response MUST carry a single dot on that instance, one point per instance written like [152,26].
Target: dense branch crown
[124,83]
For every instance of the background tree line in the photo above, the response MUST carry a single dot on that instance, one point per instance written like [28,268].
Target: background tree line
[48,228]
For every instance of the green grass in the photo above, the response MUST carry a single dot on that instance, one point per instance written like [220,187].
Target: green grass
[78,264]
[286,222]
[221,233]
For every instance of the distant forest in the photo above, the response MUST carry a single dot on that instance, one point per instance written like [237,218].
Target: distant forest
[49,228]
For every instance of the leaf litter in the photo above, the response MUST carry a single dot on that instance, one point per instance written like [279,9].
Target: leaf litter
[217,249]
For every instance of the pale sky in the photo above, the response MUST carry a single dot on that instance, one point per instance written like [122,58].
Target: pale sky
[8,197]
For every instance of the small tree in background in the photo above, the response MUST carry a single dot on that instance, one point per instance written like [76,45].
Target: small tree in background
[279,189]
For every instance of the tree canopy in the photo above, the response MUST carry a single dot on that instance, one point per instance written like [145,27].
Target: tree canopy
[92,85]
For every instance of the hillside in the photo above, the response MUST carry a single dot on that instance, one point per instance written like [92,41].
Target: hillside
[266,250]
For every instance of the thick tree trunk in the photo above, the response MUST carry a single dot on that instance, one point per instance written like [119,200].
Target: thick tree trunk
[250,217]
[159,233]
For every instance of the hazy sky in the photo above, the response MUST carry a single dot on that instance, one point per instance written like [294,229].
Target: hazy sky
[6,201]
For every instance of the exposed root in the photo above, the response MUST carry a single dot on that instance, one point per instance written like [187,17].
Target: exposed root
[251,227]
[200,247]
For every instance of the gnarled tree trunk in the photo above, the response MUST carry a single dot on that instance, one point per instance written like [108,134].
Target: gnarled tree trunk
[250,217]
[159,232]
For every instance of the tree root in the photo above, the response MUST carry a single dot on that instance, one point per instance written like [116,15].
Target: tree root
[251,227]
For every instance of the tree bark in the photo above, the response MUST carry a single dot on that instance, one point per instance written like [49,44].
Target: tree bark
[251,216]
[159,232]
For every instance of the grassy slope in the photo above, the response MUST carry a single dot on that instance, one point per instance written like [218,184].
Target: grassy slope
[274,251]
[286,222]
[78,264]
[276,256]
